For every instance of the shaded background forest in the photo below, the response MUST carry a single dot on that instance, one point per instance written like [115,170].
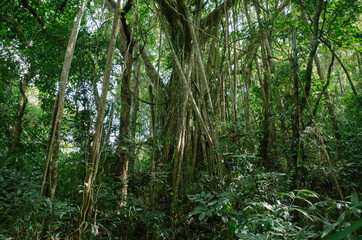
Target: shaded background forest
[234,119]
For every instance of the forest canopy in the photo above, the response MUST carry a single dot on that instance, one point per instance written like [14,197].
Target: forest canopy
[187,119]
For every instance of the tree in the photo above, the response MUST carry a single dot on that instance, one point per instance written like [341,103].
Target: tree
[92,165]
[50,176]
[179,119]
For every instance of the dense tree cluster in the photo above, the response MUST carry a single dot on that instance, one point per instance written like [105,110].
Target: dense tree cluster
[187,119]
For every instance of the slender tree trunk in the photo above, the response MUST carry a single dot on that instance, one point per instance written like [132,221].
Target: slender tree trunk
[126,101]
[50,175]
[181,133]
[179,152]
[247,72]
[86,208]
[268,142]
[314,46]
[327,97]
[154,138]
[348,78]
[232,79]
[23,101]
[313,51]
[135,108]
[329,103]
[195,141]
[359,61]
[341,86]
[265,145]
[296,116]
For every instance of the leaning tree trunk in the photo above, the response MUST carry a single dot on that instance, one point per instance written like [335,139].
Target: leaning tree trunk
[23,101]
[309,68]
[86,208]
[50,176]
[325,92]
[313,51]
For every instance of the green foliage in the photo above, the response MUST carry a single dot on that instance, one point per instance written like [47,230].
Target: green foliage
[291,216]
[243,201]
[26,215]
[251,208]
[347,231]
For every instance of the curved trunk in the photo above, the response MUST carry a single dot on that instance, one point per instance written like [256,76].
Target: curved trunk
[50,175]
[23,101]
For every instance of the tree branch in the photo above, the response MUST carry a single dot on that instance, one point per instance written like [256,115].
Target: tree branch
[314,46]
[213,18]
[32,11]
[344,69]
[3,4]
[17,27]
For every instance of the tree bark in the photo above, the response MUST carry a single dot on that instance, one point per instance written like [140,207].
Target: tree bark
[86,208]
[23,101]
[134,111]
[296,116]
[325,92]
[50,175]
[313,47]
[124,138]
[347,74]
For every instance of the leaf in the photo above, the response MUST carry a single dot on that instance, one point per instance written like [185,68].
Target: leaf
[94,229]
[208,196]
[301,234]
[49,202]
[304,213]
[309,193]
[328,229]
[198,210]
[202,216]
[8,195]
[286,194]
[345,232]
[209,213]
[268,206]
[354,199]
[224,219]
[202,194]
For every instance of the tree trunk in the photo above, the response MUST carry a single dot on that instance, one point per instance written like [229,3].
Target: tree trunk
[135,108]
[50,176]
[179,153]
[327,97]
[296,116]
[126,101]
[248,67]
[23,101]
[86,208]
[269,141]
[183,36]
[313,47]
